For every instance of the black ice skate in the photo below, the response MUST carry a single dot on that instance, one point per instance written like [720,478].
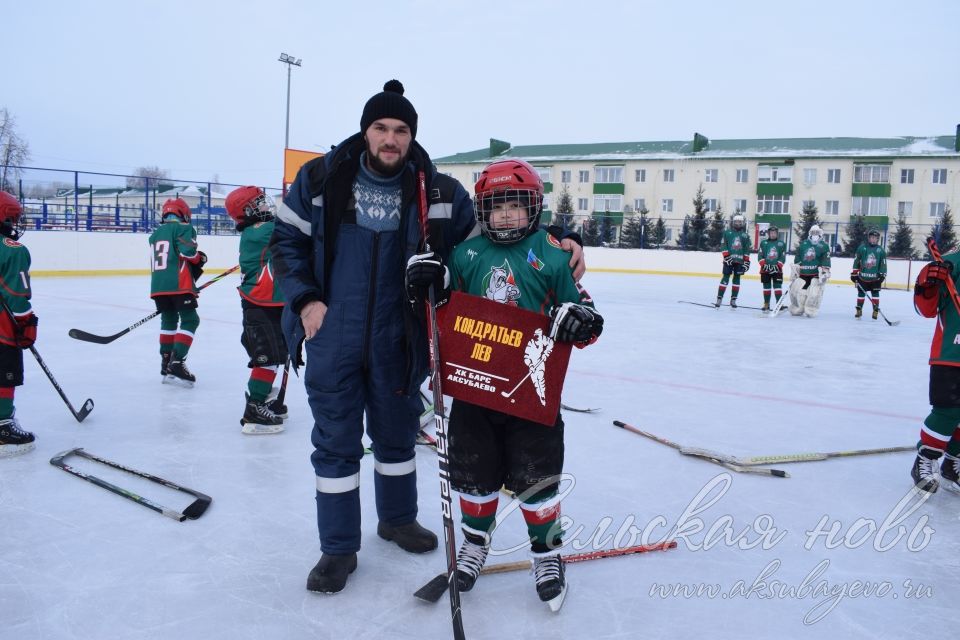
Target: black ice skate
[717,303]
[876,312]
[859,313]
[13,439]
[470,559]
[258,419]
[551,583]
[330,574]
[924,470]
[178,374]
[278,408]
[409,537]
[765,308]
[165,363]
[950,472]
[733,303]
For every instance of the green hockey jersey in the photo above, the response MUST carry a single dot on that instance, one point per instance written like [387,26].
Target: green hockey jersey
[14,286]
[736,245]
[811,256]
[770,253]
[871,261]
[172,245]
[258,285]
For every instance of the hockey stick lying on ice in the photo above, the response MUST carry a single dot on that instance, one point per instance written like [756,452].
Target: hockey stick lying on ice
[433,590]
[579,410]
[876,305]
[712,456]
[789,457]
[80,334]
[87,406]
[193,511]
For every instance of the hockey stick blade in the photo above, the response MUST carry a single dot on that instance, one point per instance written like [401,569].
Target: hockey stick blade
[434,590]
[84,410]
[578,409]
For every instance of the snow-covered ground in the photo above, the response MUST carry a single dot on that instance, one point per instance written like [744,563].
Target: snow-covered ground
[825,553]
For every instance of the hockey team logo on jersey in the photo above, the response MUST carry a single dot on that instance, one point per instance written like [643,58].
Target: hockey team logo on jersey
[870,263]
[737,244]
[553,242]
[11,243]
[773,255]
[500,286]
[502,361]
[810,254]
[534,261]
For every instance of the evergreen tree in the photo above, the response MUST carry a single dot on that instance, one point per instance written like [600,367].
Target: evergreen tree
[902,244]
[856,235]
[682,241]
[943,232]
[590,233]
[659,235]
[646,229]
[715,233]
[563,216]
[698,223]
[606,230]
[630,233]
[808,218]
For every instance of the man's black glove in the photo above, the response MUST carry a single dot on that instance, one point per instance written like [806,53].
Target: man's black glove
[423,271]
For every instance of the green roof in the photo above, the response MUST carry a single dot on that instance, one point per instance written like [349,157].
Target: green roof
[906,146]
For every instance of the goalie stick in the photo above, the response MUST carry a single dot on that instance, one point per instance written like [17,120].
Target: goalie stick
[876,305]
[87,406]
[713,306]
[193,511]
[712,456]
[433,590]
[80,334]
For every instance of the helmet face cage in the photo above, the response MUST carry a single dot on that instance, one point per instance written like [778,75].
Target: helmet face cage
[739,222]
[259,208]
[497,214]
[11,215]
[249,204]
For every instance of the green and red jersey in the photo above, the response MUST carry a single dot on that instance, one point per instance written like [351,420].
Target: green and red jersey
[736,245]
[14,287]
[771,252]
[935,301]
[172,246]
[811,256]
[871,261]
[258,286]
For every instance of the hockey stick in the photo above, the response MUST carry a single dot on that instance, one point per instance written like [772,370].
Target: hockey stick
[80,334]
[777,308]
[443,460]
[193,511]
[578,409]
[283,383]
[433,590]
[87,406]
[712,456]
[876,305]
[789,457]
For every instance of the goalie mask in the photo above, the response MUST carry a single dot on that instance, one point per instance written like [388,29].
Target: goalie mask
[11,216]
[177,207]
[739,222]
[816,234]
[247,204]
[508,201]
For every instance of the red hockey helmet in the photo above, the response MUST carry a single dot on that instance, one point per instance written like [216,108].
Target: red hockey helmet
[11,215]
[178,207]
[248,203]
[508,181]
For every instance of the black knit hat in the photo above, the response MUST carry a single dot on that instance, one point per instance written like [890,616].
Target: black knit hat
[389,103]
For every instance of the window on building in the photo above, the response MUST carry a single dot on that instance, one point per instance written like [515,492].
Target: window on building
[831,207]
[544,173]
[937,209]
[711,175]
[743,175]
[808,203]
[905,208]
[939,176]
[809,177]
[906,176]
[666,205]
[669,236]
[773,204]
[774,174]
[476,176]
[582,204]
[864,206]
[584,176]
[740,205]
[565,177]
[668,176]
[710,204]
[639,204]
[871,173]
[640,175]
[546,202]
[833,176]
[607,202]
[608,175]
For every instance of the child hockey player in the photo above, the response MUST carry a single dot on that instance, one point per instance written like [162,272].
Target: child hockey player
[488,449]
[770,256]
[262,304]
[940,435]
[736,258]
[175,265]
[811,271]
[18,324]
[869,272]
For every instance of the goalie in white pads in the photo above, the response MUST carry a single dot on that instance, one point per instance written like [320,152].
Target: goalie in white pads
[811,271]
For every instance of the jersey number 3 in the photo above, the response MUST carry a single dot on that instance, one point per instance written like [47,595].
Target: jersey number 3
[161,251]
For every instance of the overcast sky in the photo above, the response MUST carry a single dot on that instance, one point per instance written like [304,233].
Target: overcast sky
[196,87]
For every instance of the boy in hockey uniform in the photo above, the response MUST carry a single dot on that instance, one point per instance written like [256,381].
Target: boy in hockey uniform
[489,449]
[736,258]
[869,272]
[811,271]
[18,324]
[940,433]
[262,304]
[175,265]
[771,255]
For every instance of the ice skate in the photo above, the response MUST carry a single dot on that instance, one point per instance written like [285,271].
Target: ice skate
[550,580]
[717,303]
[924,472]
[859,313]
[733,303]
[765,308]
[470,559]
[178,374]
[876,313]
[165,363]
[950,472]
[13,439]
[259,419]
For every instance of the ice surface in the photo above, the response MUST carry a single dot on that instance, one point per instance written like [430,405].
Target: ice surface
[80,562]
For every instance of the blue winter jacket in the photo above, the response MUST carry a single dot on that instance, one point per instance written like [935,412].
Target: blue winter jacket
[305,242]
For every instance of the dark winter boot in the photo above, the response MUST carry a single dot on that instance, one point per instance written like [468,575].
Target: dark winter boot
[165,363]
[859,312]
[470,559]
[924,472]
[330,574]
[258,419]
[13,439]
[177,373]
[409,537]
[876,312]
[551,582]
[950,472]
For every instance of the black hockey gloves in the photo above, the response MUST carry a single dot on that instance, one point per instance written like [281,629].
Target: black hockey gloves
[196,268]
[575,323]
[424,270]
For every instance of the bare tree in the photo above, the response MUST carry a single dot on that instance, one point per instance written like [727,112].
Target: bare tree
[14,151]
[146,172]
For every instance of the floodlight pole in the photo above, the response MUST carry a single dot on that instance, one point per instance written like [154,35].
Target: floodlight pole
[291,62]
